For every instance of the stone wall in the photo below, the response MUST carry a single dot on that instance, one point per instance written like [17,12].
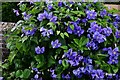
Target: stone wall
[4,26]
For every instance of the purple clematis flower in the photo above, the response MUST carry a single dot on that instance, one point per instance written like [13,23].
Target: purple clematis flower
[99,37]
[39,50]
[26,16]
[113,52]
[73,62]
[50,7]
[94,28]
[53,75]
[105,49]
[89,68]
[78,31]
[42,16]
[55,44]
[78,21]
[36,76]
[29,32]
[107,31]
[87,60]
[60,4]
[60,61]
[91,14]
[117,18]
[77,73]
[84,20]
[97,74]
[69,30]
[92,45]
[116,24]
[117,34]
[78,58]
[70,54]
[46,32]
[111,15]
[53,19]
[1,78]
[113,60]
[103,13]
[73,57]
[82,69]
[50,15]
[35,69]
[47,15]
[109,75]
[66,76]
[16,12]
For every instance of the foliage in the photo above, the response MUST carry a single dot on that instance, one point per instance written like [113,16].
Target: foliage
[7,12]
[74,40]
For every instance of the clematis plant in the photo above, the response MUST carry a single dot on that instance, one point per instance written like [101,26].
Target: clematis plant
[64,40]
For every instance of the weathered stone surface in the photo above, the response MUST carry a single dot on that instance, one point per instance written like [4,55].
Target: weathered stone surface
[4,26]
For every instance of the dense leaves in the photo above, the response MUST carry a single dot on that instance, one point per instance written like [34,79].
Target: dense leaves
[64,40]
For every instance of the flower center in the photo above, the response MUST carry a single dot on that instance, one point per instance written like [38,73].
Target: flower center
[118,34]
[97,37]
[91,14]
[114,52]
[78,31]
[96,29]
[108,31]
[113,60]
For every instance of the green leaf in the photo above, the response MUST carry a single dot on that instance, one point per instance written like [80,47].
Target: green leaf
[78,13]
[18,73]
[64,47]
[97,62]
[62,35]
[76,41]
[40,59]
[58,32]
[102,55]
[52,25]
[72,27]
[51,61]
[58,51]
[18,45]
[24,39]
[34,39]
[23,7]
[85,41]
[72,46]
[65,64]
[8,45]
[26,73]
[104,65]
[66,34]
[5,66]
[114,68]
[12,56]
